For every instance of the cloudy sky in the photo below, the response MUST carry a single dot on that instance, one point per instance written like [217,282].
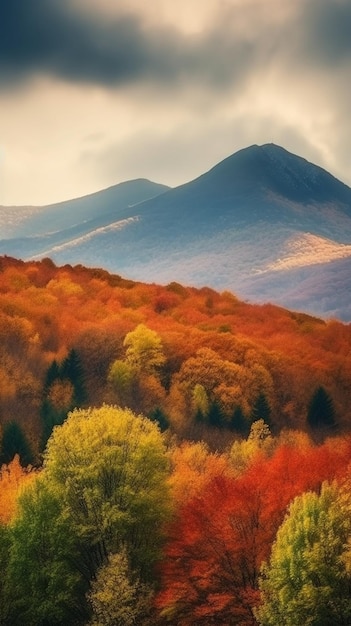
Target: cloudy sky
[95,92]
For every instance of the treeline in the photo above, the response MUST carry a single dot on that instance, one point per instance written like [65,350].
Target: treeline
[202,364]
[124,525]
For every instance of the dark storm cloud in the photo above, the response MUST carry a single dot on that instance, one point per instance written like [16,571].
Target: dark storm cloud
[327,31]
[48,37]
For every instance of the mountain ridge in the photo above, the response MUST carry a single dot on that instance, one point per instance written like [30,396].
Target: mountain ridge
[222,229]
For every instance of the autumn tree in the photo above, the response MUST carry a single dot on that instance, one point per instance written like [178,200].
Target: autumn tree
[103,490]
[144,350]
[109,469]
[305,581]
[13,477]
[117,596]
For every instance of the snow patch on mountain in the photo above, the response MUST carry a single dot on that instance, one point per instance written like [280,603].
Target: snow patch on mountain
[119,225]
[307,249]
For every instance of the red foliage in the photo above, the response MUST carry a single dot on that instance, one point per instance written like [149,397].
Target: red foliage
[221,537]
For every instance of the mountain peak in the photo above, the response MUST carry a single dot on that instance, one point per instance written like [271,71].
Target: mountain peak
[271,167]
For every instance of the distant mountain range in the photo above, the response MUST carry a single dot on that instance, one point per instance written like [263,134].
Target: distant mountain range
[263,223]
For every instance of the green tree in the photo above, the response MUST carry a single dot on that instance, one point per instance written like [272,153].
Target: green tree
[109,469]
[261,409]
[239,423]
[44,585]
[121,377]
[321,414]
[200,403]
[161,419]
[305,581]
[5,604]
[14,442]
[117,596]
[72,370]
[144,350]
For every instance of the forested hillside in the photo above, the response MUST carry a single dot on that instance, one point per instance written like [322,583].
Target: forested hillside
[187,422]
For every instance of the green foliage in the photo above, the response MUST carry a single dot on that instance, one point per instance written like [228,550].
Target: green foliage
[215,415]
[117,596]
[43,582]
[14,442]
[68,374]
[321,412]
[261,409]
[5,543]
[306,581]
[71,369]
[158,416]
[238,422]
[109,469]
[121,376]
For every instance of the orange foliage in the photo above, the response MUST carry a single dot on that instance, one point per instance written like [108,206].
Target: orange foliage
[224,531]
[13,477]
[47,310]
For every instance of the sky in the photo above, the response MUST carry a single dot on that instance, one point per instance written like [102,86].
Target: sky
[97,92]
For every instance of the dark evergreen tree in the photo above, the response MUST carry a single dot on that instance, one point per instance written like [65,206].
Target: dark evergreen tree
[14,442]
[53,373]
[261,410]
[239,423]
[215,415]
[50,417]
[321,413]
[72,369]
[158,416]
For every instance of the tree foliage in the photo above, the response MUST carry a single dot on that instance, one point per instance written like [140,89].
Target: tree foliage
[305,581]
[109,469]
[117,596]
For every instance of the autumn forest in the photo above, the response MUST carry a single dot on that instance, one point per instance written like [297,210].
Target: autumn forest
[169,455]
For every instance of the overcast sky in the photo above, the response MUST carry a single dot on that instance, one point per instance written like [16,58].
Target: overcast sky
[96,92]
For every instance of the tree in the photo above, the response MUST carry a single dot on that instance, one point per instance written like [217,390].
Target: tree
[261,409]
[158,416]
[44,585]
[321,414]
[144,350]
[5,543]
[117,596]
[121,377]
[238,422]
[72,370]
[12,479]
[15,442]
[109,469]
[305,581]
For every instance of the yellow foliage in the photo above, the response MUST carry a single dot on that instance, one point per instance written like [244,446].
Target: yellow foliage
[13,477]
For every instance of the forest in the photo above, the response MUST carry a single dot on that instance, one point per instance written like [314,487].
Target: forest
[169,455]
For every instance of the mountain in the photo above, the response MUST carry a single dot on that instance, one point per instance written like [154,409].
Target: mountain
[30,221]
[264,223]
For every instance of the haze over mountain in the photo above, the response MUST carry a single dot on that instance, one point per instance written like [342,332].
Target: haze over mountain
[264,223]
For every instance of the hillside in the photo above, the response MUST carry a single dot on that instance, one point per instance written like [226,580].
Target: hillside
[235,351]
[255,224]
[157,410]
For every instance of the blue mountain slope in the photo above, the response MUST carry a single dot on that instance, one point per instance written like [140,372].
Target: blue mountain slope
[230,228]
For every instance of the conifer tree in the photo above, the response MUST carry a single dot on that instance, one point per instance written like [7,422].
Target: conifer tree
[321,412]
[14,442]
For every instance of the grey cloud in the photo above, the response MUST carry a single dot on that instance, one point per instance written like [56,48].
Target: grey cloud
[49,37]
[327,27]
